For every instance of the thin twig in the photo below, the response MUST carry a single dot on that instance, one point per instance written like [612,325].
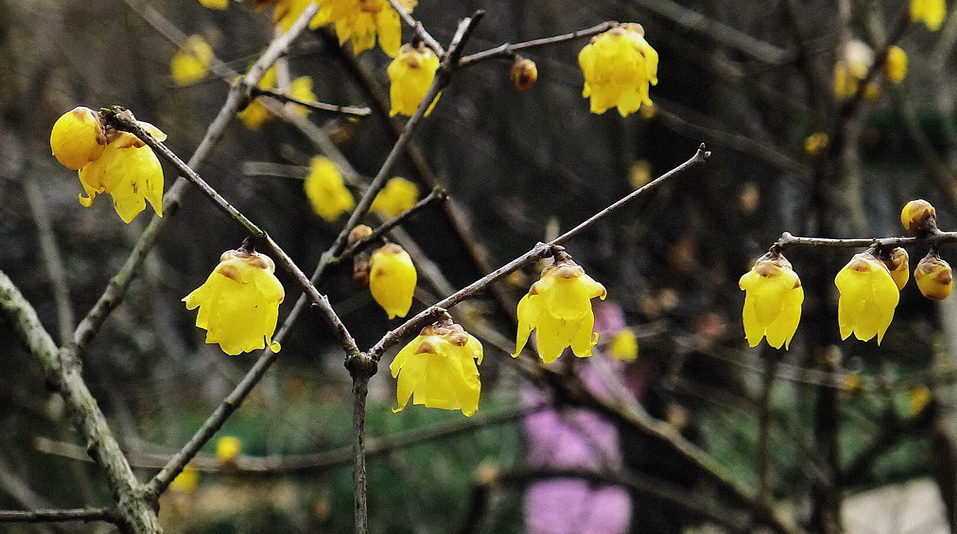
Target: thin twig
[436,195]
[537,252]
[787,240]
[508,50]
[352,111]
[55,516]
[418,27]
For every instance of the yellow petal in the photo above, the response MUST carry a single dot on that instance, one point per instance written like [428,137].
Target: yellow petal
[392,279]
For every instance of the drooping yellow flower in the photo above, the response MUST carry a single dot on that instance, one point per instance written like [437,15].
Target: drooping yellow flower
[326,190]
[411,74]
[772,301]
[392,279]
[228,449]
[239,302]
[129,171]
[934,277]
[930,12]
[869,296]
[397,196]
[215,4]
[624,345]
[191,62]
[186,481]
[618,66]
[362,20]
[285,12]
[851,68]
[898,263]
[78,137]
[919,218]
[558,306]
[439,369]
[896,67]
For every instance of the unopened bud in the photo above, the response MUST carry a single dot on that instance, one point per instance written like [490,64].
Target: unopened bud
[919,218]
[524,73]
[934,277]
[359,233]
[897,262]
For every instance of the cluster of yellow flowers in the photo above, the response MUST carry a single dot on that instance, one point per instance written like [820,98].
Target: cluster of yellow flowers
[109,161]
[869,286]
[852,66]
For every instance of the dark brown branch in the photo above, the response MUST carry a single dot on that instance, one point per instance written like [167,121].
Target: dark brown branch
[351,111]
[787,240]
[508,50]
[436,195]
[55,516]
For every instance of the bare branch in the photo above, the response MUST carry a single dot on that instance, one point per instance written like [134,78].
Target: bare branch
[55,516]
[508,50]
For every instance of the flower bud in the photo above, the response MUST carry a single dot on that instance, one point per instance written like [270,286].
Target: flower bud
[77,138]
[919,218]
[897,262]
[815,144]
[524,73]
[896,67]
[934,277]
[360,232]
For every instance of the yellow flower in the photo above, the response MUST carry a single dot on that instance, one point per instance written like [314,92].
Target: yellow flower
[772,301]
[228,449]
[326,191]
[392,279]
[439,369]
[239,302]
[77,138]
[934,277]
[191,62]
[186,481]
[411,74]
[129,171]
[869,296]
[919,218]
[285,12]
[256,113]
[397,196]
[896,67]
[624,346]
[618,65]
[558,306]
[930,12]
[918,397]
[362,20]
[851,69]
[815,144]
[215,4]
[301,89]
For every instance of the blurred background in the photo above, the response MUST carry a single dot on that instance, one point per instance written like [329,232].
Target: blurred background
[834,434]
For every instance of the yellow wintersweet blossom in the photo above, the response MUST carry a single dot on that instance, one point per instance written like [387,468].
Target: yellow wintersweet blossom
[411,74]
[78,137]
[624,346]
[934,277]
[772,301]
[896,67]
[919,218]
[228,449]
[392,279]
[215,4]
[439,369]
[186,481]
[256,113]
[851,69]
[285,12]
[362,20]
[239,302]
[558,306]
[397,196]
[930,12]
[869,296]
[326,190]
[191,62]
[815,144]
[618,66]
[110,161]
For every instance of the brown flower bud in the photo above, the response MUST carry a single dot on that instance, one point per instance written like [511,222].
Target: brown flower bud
[359,233]
[524,73]
[934,277]
[897,262]
[919,218]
